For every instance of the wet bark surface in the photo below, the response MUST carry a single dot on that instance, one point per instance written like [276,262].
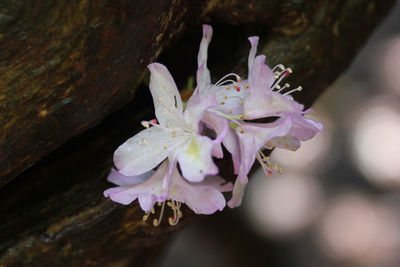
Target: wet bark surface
[66,66]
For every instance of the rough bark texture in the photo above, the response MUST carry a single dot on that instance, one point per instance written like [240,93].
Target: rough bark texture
[66,65]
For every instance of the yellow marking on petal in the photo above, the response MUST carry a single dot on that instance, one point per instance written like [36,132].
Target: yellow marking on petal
[193,150]
[144,142]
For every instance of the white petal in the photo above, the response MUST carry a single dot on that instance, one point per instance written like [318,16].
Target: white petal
[166,98]
[144,151]
[195,159]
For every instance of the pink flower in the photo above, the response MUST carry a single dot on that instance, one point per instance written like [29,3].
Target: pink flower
[177,136]
[202,198]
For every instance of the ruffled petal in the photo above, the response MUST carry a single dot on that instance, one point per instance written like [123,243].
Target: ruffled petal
[261,78]
[120,194]
[202,56]
[194,113]
[216,123]
[252,137]
[304,128]
[237,194]
[195,158]
[119,179]
[148,192]
[253,50]
[202,199]
[217,151]
[166,98]
[217,182]
[144,151]
[278,105]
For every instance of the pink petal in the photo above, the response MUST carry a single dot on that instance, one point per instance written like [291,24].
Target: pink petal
[231,143]
[253,50]
[202,199]
[119,179]
[252,137]
[237,194]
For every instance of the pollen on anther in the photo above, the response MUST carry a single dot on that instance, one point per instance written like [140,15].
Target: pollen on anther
[230,111]
[173,134]
[241,131]
[225,97]
[241,103]
[165,147]
[145,124]
[246,86]
[222,103]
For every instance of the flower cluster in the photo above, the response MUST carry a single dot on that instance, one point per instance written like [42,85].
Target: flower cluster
[147,163]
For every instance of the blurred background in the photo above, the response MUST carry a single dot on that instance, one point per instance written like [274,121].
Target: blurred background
[338,201]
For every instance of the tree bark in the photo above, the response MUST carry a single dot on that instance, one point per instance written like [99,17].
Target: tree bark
[67,65]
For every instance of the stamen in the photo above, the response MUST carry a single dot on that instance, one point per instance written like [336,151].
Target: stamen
[294,90]
[157,222]
[281,75]
[286,85]
[279,66]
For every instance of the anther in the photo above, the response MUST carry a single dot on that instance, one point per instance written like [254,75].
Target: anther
[165,147]
[222,103]
[145,124]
